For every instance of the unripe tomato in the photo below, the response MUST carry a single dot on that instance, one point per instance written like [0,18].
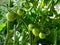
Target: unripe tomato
[20,12]
[35,31]
[42,35]
[30,27]
[10,16]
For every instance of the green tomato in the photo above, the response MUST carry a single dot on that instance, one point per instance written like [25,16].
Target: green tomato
[20,12]
[30,27]
[42,35]
[10,16]
[35,32]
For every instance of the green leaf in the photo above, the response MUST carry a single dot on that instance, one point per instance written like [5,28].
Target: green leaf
[58,33]
[58,2]
[42,4]
[2,26]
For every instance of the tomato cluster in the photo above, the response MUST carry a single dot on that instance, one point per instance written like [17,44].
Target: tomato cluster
[11,16]
[38,32]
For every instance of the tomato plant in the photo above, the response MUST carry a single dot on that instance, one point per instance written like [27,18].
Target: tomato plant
[30,22]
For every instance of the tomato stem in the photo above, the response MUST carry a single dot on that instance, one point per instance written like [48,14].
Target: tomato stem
[7,36]
[14,35]
[55,37]
[30,38]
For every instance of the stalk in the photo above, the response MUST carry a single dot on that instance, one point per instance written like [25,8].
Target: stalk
[32,39]
[7,36]
[55,37]
[14,35]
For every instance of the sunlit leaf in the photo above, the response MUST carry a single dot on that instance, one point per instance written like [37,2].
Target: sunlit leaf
[2,26]
[58,2]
